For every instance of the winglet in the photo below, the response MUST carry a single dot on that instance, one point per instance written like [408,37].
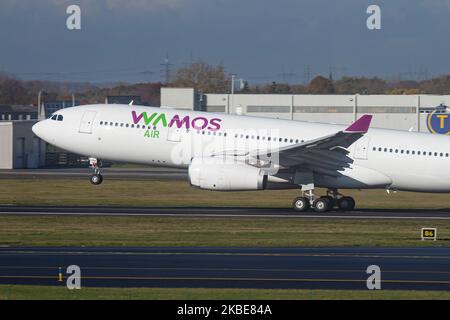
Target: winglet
[360,125]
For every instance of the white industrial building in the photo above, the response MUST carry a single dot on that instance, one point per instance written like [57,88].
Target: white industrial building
[19,147]
[401,112]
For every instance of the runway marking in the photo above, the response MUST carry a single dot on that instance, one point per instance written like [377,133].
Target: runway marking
[230,269]
[219,215]
[250,254]
[233,279]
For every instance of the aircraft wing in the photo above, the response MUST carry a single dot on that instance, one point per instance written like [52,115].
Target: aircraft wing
[326,155]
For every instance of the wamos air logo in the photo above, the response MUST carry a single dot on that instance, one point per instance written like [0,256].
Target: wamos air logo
[155,119]
[438,123]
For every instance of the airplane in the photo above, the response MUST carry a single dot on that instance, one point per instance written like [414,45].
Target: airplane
[226,152]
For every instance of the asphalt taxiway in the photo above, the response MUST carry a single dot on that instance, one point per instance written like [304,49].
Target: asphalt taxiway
[229,267]
[221,212]
[144,173]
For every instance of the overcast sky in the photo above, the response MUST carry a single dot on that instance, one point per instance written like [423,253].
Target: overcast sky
[260,40]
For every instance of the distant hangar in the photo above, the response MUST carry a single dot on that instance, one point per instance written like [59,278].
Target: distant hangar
[400,112]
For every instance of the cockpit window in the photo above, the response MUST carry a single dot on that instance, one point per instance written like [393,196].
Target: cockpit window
[60,117]
[53,117]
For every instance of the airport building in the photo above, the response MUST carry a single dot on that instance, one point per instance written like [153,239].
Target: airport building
[400,112]
[13,112]
[19,147]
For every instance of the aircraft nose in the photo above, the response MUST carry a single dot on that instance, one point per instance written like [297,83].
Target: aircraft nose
[37,129]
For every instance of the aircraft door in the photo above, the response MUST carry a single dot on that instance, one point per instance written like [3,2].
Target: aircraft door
[174,134]
[87,121]
[362,148]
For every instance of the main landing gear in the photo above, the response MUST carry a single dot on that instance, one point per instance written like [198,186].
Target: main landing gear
[96,178]
[333,199]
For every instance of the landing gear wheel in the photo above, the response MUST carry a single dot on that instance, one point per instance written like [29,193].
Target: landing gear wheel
[96,179]
[300,204]
[331,201]
[321,205]
[346,204]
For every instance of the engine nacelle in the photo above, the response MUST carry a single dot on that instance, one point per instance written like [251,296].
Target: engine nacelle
[216,174]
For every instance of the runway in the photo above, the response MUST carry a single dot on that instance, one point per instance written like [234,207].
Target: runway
[223,212]
[211,267]
[144,173]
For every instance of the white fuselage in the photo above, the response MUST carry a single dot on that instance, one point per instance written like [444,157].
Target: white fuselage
[386,158]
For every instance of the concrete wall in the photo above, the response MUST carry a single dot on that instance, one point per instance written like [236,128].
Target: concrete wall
[6,145]
[179,98]
[19,147]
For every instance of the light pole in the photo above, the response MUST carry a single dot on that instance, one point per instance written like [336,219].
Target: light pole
[233,76]
[39,105]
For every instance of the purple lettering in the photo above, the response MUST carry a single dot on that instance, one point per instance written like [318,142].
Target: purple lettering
[136,118]
[214,124]
[179,123]
[196,120]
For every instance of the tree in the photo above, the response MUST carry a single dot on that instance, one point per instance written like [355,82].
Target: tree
[12,92]
[203,77]
[439,85]
[350,85]
[320,85]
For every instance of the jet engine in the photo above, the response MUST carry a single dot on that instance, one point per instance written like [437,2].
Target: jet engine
[216,174]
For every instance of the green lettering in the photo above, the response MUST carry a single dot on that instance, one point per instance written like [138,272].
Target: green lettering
[161,117]
[147,134]
[147,120]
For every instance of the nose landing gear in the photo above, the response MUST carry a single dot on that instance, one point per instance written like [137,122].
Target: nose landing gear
[96,178]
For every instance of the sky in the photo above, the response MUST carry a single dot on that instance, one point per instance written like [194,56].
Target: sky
[258,40]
